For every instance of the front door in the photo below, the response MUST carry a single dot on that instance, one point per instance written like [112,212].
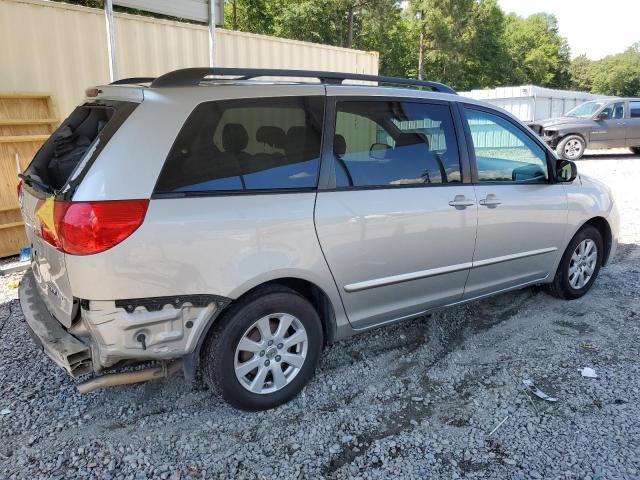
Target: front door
[522,215]
[610,131]
[398,230]
[633,124]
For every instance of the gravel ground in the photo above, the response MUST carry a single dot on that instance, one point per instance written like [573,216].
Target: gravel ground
[438,397]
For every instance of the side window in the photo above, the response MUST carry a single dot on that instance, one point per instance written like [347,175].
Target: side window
[248,144]
[504,153]
[393,143]
[618,110]
[634,108]
[613,111]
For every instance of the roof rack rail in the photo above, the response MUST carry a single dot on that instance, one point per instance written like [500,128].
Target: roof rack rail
[133,80]
[193,76]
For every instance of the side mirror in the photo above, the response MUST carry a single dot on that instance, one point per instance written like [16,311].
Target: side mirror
[566,171]
[604,115]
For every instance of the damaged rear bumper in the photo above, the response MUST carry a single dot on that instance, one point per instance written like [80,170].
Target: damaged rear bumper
[64,349]
[106,333]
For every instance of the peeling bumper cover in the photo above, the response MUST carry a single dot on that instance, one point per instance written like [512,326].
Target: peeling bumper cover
[63,348]
[109,332]
[170,326]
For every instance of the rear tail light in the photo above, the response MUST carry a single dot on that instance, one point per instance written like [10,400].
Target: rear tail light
[19,188]
[85,228]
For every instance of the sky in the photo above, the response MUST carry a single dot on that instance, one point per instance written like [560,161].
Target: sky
[596,28]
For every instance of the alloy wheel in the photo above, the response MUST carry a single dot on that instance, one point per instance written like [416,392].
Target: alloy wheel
[573,149]
[271,353]
[583,263]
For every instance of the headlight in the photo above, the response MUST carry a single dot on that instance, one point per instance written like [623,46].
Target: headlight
[549,133]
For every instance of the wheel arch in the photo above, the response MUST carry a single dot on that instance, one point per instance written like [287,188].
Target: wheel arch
[562,136]
[314,294]
[318,298]
[602,225]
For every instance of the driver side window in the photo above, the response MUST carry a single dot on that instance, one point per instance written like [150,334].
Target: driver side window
[614,111]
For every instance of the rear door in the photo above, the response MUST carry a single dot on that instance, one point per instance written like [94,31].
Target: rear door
[633,124]
[395,221]
[59,165]
[522,213]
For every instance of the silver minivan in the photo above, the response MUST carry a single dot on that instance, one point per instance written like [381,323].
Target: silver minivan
[230,227]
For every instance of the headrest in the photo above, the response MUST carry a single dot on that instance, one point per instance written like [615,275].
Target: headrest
[295,143]
[339,145]
[234,138]
[272,136]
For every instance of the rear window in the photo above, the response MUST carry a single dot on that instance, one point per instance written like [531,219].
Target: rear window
[80,138]
[247,144]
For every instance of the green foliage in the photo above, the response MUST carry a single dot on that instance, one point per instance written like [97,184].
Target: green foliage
[538,54]
[581,71]
[463,41]
[618,74]
[255,16]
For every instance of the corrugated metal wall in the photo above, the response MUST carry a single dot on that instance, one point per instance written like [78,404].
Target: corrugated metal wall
[62,49]
[530,102]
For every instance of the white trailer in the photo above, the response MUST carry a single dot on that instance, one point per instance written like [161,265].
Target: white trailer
[531,103]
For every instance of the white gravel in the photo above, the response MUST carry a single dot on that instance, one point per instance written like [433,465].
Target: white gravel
[415,400]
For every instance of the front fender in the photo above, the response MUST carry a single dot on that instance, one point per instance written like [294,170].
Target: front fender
[589,199]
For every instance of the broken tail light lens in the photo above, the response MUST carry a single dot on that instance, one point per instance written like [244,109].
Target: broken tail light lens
[85,228]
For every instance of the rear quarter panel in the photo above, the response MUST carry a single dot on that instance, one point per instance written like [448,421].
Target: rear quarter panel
[222,245]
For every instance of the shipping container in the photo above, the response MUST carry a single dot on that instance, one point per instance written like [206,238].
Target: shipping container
[61,49]
[531,103]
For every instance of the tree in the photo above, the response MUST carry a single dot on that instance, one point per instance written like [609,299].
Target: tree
[537,52]
[618,74]
[255,16]
[461,41]
[318,21]
[382,26]
[581,72]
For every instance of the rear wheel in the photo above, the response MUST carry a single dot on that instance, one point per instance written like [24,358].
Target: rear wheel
[571,147]
[264,350]
[635,150]
[579,266]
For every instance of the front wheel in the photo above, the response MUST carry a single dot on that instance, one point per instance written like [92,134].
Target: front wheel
[571,147]
[264,350]
[579,266]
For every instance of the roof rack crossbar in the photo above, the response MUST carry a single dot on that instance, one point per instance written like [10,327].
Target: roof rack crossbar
[133,80]
[193,76]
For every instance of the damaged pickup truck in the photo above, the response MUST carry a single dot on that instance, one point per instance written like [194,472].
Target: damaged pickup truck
[608,123]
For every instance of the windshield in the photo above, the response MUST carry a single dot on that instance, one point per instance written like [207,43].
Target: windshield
[586,110]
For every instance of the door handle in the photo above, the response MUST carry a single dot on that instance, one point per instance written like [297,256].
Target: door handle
[460,202]
[491,201]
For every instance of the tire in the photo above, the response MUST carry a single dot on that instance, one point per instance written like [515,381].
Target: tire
[635,150]
[571,147]
[248,320]
[570,287]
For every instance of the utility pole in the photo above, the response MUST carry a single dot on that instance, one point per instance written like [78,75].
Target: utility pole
[212,33]
[111,40]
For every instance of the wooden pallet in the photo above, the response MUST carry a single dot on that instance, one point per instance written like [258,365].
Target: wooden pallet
[26,121]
